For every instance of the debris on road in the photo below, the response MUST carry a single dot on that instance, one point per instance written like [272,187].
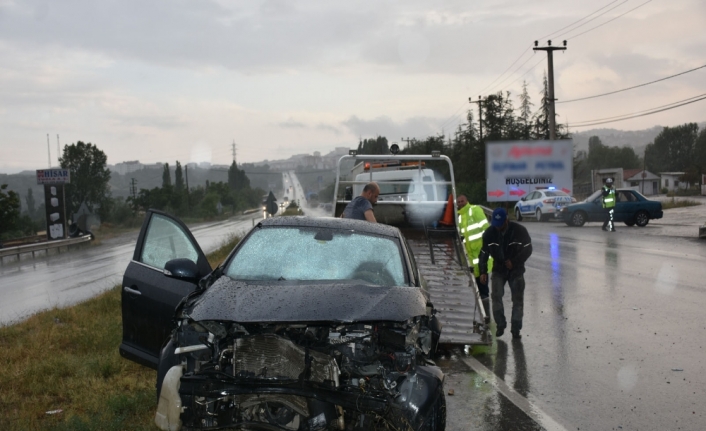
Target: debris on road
[451,391]
[53,412]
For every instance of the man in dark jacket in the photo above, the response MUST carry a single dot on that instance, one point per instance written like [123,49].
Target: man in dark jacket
[509,244]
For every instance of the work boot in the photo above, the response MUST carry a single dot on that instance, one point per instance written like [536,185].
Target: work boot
[499,332]
[516,335]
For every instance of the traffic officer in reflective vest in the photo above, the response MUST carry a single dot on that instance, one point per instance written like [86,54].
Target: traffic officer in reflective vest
[472,222]
[608,195]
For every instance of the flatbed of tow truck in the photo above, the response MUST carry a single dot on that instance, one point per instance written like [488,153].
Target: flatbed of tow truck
[438,249]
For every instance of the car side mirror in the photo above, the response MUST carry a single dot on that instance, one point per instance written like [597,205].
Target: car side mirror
[182,269]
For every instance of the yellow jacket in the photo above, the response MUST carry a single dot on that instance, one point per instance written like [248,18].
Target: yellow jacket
[472,222]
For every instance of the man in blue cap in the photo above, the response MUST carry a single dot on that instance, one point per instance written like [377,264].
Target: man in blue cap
[509,244]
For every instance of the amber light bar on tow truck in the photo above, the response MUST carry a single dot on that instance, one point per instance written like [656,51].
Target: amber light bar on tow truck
[394,164]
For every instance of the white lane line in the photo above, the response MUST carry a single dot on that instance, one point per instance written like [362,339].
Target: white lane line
[522,403]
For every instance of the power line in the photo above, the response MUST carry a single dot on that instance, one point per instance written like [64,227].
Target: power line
[526,72]
[529,48]
[595,17]
[641,113]
[610,20]
[508,68]
[636,86]
[515,71]
[578,21]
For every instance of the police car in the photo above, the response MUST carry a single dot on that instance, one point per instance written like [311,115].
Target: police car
[542,204]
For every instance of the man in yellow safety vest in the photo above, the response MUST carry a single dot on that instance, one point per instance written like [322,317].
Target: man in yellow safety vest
[472,222]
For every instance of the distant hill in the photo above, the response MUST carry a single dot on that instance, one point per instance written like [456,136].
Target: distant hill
[637,139]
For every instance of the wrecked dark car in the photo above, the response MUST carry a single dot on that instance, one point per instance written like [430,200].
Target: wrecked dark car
[309,324]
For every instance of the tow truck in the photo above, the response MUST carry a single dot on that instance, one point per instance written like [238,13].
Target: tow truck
[416,191]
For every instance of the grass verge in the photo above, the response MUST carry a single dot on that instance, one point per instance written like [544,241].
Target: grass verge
[62,370]
[679,203]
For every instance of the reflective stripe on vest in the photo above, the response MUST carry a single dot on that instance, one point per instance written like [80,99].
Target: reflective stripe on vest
[609,201]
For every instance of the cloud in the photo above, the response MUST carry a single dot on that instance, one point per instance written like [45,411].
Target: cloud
[291,124]
[419,127]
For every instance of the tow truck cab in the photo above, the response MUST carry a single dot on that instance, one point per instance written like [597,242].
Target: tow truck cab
[409,192]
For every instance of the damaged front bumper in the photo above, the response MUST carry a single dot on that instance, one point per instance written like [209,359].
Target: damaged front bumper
[216,401]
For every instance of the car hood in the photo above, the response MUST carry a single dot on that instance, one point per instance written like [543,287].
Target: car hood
[286,301]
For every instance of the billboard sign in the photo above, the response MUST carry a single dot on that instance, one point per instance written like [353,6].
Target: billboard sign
[56,213]
[516,168]
[53,176]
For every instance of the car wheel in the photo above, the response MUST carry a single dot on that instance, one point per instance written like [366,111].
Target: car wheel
[518,215]
[578,218]
[538,214]
[642,218]
[630,222]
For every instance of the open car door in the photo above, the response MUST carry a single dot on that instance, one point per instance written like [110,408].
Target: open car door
[149,293]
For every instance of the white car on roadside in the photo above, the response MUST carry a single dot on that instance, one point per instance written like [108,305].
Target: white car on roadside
[542,204]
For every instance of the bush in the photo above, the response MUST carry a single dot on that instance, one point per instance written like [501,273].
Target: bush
[664,190]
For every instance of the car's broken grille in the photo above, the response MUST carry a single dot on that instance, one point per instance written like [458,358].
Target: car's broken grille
[268,356]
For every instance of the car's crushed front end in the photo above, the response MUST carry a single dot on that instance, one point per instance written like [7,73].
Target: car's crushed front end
[298,376]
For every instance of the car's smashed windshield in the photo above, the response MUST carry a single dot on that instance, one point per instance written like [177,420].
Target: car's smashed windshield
[289,253]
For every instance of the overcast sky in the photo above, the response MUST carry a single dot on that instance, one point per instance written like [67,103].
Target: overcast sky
[160,81]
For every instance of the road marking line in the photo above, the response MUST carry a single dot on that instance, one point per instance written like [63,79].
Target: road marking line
[522,403]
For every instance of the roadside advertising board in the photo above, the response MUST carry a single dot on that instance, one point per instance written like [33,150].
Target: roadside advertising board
[516,168]
[53,181]
[53,176]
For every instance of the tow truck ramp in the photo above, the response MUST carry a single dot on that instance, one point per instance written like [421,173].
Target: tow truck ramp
[438,251]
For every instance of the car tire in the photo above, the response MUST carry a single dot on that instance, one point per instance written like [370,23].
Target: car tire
[578,218]
[518,215]
[630,222]
[538,215]
[642,218]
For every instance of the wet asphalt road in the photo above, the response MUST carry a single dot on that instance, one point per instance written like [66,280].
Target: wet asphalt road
[614,329]
[63,279]
[614,338]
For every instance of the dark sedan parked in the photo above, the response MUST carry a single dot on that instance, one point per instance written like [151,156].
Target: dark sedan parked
[309,324]
[631,208]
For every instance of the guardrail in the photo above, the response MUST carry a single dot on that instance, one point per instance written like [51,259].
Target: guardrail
[46,245]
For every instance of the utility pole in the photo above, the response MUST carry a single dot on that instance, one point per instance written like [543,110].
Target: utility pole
[58,151]
[48,151]
[550,59]
[233,150]
[480,115]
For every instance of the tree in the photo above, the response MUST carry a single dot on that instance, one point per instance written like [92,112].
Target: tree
[237,180]
[673,149]
[498,119]
[9,210]
[31,204]
[541,118]
[166,176]
[700,153]
[525,118]
[374,146]
[89,178]
[178,178]
[602,156]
